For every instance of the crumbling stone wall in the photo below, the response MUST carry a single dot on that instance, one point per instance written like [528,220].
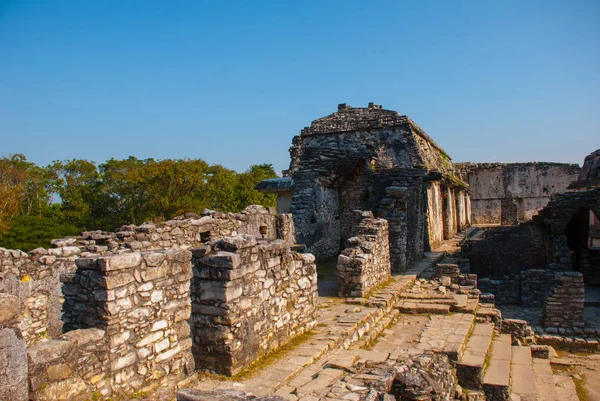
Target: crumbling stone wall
[366,263]
[504,251]
[248,298]
[34,278]
[345,161]
[186,233]
[140,303]
[504,192]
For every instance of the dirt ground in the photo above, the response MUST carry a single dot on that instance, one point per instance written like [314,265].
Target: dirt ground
[585,371]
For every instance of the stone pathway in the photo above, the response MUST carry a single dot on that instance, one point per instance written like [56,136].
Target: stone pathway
[447,334]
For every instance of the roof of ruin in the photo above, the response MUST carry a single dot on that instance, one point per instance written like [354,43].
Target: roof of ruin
[275,185]
[349,118]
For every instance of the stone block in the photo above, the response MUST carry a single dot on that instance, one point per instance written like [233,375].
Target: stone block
[119,262]
[117,280]
[10,307]
[47,352]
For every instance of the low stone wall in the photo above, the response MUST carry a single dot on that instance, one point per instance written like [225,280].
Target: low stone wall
[188,233]
[536,286]
[248,298]
[139,303]
[34,279]
[366,263]
[506,291]
[564,308]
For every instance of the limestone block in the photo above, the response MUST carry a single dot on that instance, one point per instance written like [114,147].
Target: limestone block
[58,372]
[153,259]
[222,259]
[84,336]
[10,307]
[117,280]
[68,389]
[47,352]
[118,262]
[123,362]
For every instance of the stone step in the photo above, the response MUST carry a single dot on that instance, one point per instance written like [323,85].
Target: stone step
[468,306]
[521,370]
[447,334]
[469,369]
[449,298]
[544,380]
[496,380]
[419,307]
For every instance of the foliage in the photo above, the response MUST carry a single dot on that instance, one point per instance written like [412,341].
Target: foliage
[117,192]
[30,232]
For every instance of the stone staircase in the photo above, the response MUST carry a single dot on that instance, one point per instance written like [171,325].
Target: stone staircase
[489,367]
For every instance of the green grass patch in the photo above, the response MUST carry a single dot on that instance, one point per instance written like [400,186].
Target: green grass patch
[267,359]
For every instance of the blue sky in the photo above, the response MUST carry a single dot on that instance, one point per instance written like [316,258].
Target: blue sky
[232,82]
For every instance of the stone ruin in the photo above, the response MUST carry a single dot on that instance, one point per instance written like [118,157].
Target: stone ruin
[371,159]
[546,262]
[141,309]
[512,193]
[109,314]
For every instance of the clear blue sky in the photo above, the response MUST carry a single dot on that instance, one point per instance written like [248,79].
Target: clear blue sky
[232,82]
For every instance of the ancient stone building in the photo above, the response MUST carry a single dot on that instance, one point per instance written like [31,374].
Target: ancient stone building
[546,262]
[508,193]
[371,159]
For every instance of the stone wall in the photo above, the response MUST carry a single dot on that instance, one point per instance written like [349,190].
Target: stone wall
[527,187]
[34,278]
[536,286]
[248,298]
[138,303]
[506,291]
[345,161]
[366,263]
[504,251]
[564,308]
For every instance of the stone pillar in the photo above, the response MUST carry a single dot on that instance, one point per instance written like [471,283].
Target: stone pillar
[564,308]
[142,301]
[248,299]
[366,263]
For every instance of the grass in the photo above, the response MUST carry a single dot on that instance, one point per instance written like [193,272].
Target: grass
[261,363]
[265,360]
[577,377]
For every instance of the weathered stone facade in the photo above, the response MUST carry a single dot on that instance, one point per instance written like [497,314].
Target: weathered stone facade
[366,262]
[140,301]
[508,193]
[249,298]
[376,160]
[125,302]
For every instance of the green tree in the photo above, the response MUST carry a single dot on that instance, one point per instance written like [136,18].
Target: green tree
[247,195]
[76,182]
